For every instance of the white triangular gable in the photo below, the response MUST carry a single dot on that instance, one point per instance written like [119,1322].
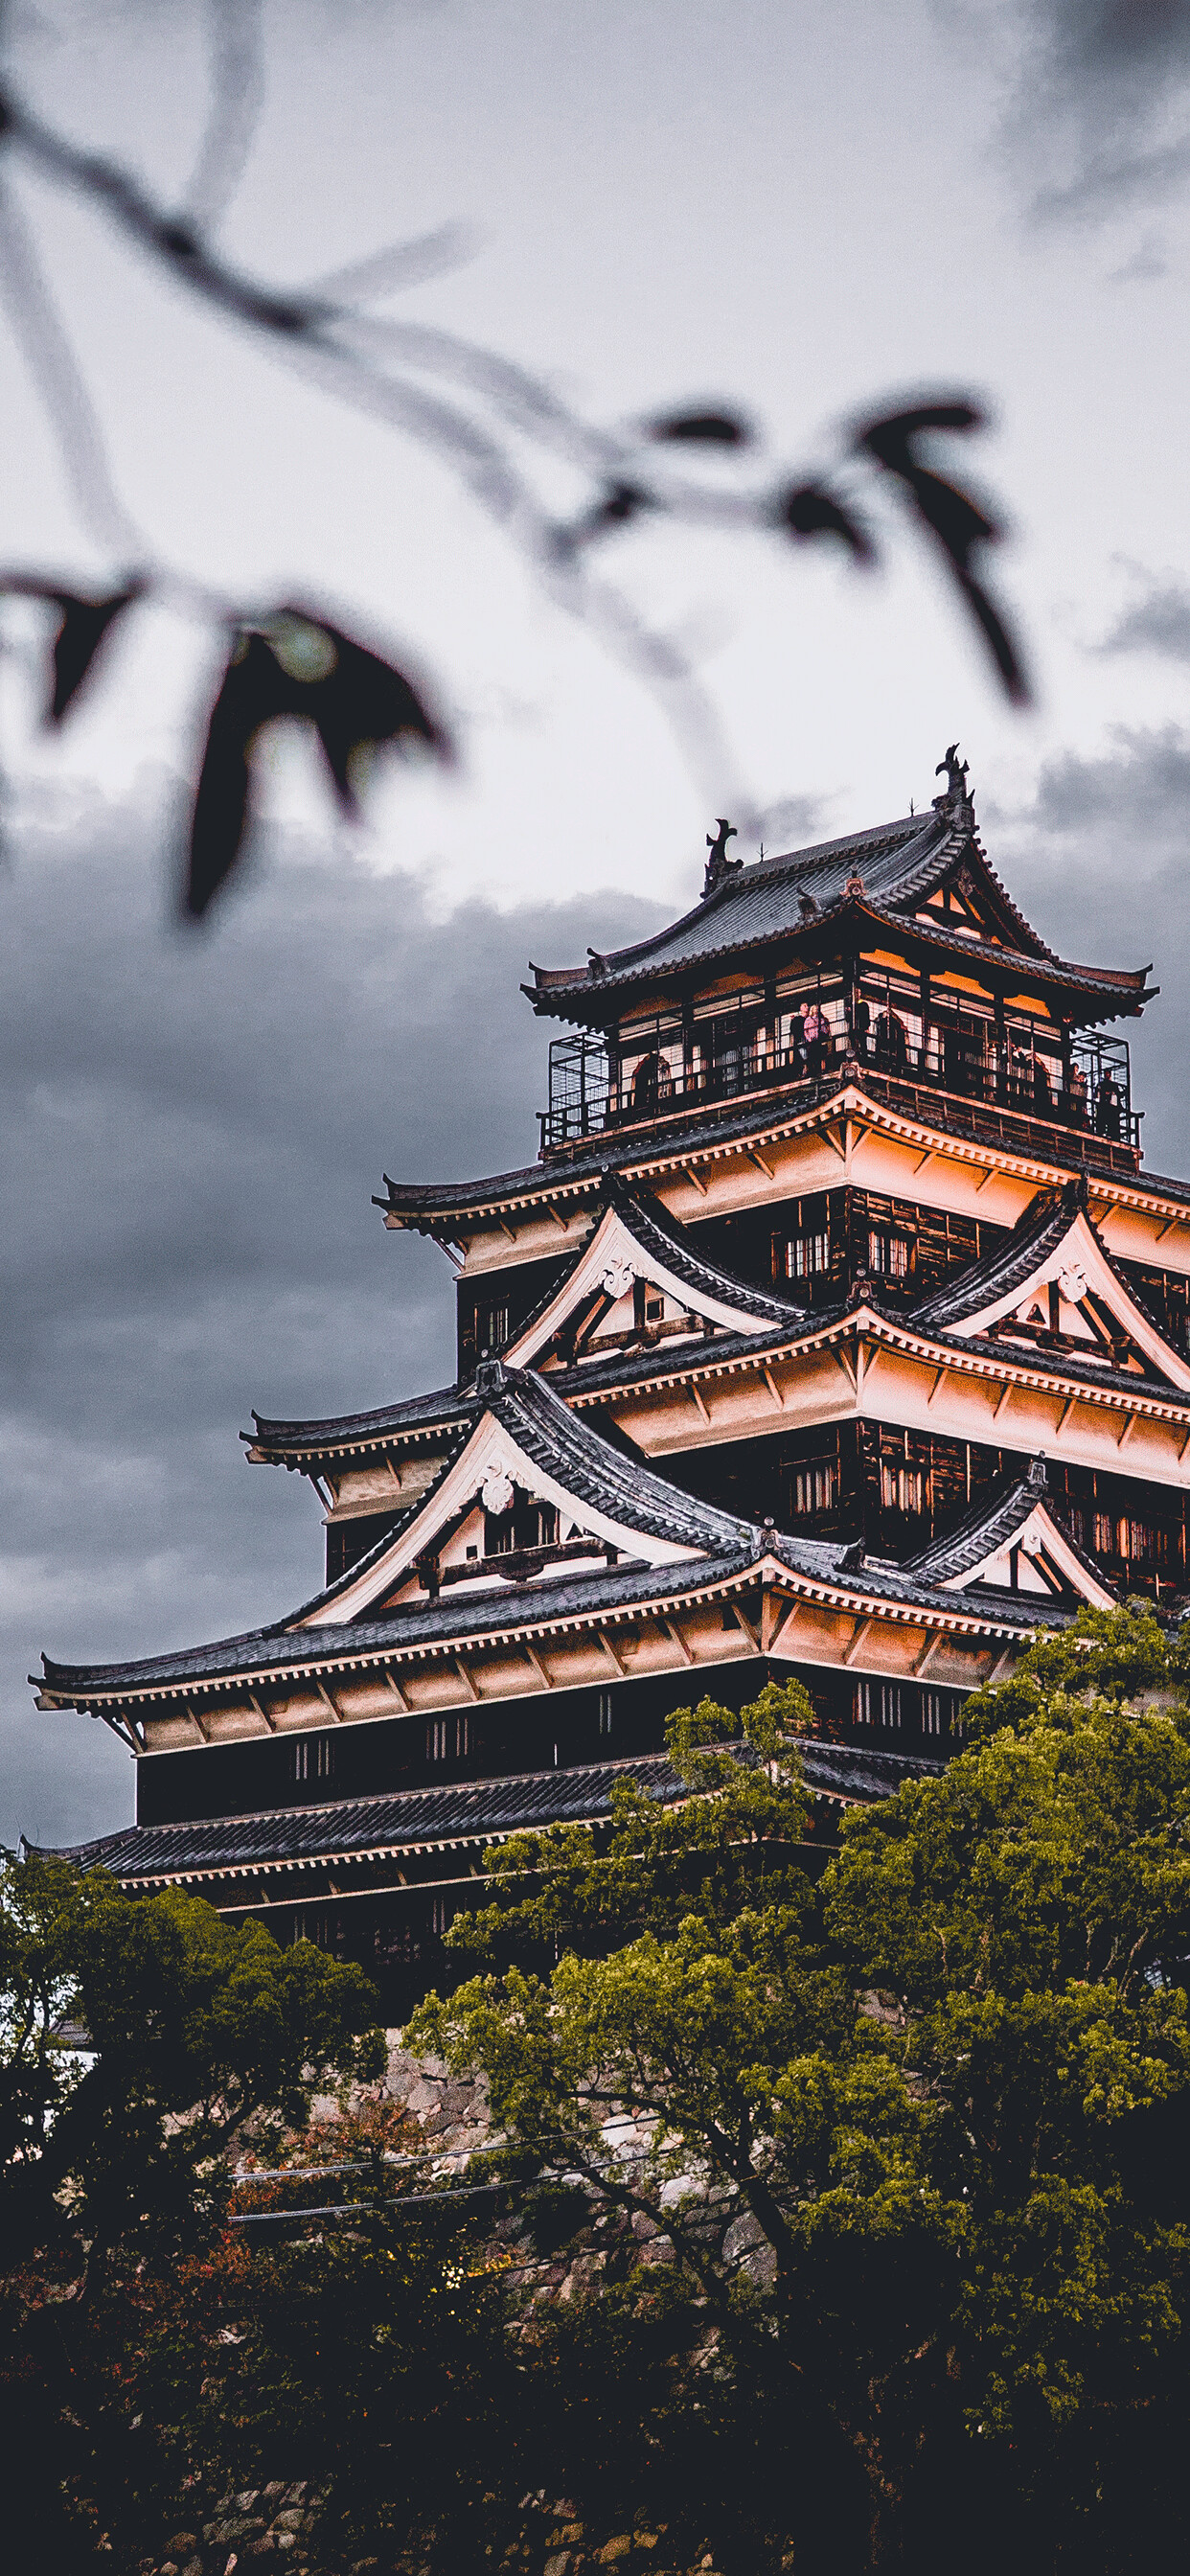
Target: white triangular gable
[1080,1268]
[1046,1565]
[609,1266]
[491,1462]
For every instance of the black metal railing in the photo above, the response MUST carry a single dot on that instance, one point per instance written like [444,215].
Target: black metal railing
[1090,1090]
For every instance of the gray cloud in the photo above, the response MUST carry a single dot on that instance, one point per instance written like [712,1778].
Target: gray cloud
[189,1137]
[1100,104]
[190,1133]
[1098,862]
[1157,621]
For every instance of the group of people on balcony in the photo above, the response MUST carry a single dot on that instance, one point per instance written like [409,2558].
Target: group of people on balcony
[1022,1078]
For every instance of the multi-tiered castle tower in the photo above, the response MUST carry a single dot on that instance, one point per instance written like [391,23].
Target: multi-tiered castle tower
[836,1331]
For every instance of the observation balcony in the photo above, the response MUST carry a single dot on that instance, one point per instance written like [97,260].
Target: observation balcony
[1011,1072]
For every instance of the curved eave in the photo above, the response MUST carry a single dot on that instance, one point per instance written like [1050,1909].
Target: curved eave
[306,1445]
[362,1648]
[595,1000]
[426,1208]
[1110,1390]
[345,1654]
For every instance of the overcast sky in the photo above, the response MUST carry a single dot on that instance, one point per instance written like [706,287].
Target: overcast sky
[798,209]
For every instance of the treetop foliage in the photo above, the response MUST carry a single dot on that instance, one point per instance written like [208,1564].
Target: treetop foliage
[140,2039]
[949,2077]
[940,2076]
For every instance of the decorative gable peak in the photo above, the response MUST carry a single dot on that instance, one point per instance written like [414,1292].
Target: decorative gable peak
[640,1278]
[532,1492]
[1014,1542]
[1053,1286]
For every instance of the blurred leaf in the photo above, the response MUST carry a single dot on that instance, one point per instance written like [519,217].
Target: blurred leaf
[253,691]
[704,429]
[616,506]
[956,520]
[297,666]
[808,511]
[359,701]
[85,623]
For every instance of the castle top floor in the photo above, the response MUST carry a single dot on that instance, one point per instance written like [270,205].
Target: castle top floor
[896,948]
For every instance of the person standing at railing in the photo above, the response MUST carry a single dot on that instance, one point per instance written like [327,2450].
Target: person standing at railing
[1107,1110]
[1078,1096]
[814,1032]
[861,1021]
[892,1046]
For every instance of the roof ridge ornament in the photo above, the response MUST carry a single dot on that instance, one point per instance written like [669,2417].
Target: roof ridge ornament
[955,803]
[718,864]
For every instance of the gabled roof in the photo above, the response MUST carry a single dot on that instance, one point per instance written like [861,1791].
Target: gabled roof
[1055,1243]
[522,1434]
[1013,1532]
[756,903]
[636,1239]
[889,871]
[869,1312]
[422,1626]
[830,1571]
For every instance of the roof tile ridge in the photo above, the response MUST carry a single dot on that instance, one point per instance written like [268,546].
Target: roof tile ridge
[577,1436]
[674,1231]
[1011,1493]
[1044,1210]
[376,1418]
[1010,904]
[331,1807]
[820,853]
[372,1555]
[1117,978]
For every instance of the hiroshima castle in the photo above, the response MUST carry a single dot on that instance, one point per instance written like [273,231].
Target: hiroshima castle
[836,1332]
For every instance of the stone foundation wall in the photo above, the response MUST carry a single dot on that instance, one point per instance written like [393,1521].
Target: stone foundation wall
[279,2526]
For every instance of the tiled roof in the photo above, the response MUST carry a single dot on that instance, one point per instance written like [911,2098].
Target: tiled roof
[676,1248]
[442,1408]
[898,864]
[582,1170]
[471,1810]
[672,1244]
[762,902]
[879,1579]
[478,1616]
[675,1360]
[989,1526]
[566,1447]
[610,1478]
[1008,1266]
[455,1616]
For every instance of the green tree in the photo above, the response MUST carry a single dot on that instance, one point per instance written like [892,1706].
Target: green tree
[950,2080]
[193,2031]
[116,2142]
